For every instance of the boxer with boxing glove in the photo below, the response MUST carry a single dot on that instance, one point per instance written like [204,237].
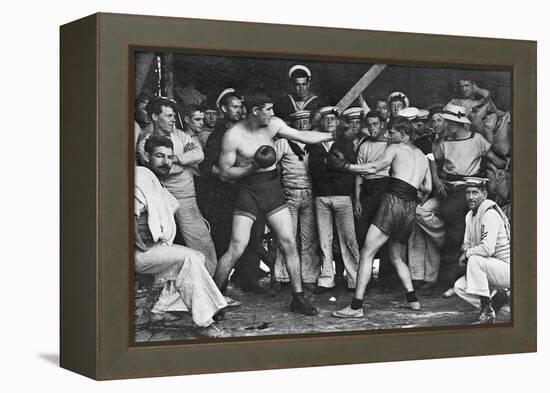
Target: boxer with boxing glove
[246,159]
[337,160]
[265,156]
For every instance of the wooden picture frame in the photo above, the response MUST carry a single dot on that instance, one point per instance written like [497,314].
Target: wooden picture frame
[96,198]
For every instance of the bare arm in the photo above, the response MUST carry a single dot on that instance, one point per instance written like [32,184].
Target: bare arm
[228,158]
[373,167]
[358,209]
[437,184]
[426,186]
[482,92]
[307,137]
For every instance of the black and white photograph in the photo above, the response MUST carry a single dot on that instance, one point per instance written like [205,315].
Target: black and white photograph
[291,197]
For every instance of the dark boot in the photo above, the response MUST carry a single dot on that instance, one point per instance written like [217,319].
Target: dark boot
[486,315]
[499,299]
[300,305]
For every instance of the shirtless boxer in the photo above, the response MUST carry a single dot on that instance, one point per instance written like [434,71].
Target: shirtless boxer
[394,220]
[248,158]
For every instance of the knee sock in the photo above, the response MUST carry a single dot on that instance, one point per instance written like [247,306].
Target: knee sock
[411,296]
[356,304]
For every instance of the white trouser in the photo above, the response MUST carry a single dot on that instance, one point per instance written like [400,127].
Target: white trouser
[482,275]
[193,282]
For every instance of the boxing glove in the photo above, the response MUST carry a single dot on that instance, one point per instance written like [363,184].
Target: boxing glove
[337,160]
[265,156]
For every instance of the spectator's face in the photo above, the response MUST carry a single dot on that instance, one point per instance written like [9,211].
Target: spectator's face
[466,88]
[474,197]
[374,126]
[301,87]
[355,126]
[210,117]
[141,114]
[302,124]
[382,108]
[160,161]
[395,107]
[395,136]
[329,123]
[265,114]
[195,122]
[450,126]
[166,120]
[232,111]
[438,123]
[419,127]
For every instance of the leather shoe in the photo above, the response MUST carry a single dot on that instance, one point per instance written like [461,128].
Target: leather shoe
[219,316]
[156,317]
[300,305]
[214,331]
[486,316]
[499,299]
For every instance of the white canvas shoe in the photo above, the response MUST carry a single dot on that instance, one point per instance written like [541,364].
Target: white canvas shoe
[231,302]
[348,312]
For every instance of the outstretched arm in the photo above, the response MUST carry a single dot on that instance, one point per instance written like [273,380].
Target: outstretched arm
[482,92]
[308,137]
[375,166]
[228,158]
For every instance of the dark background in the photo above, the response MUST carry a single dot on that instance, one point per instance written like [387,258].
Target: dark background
[424,85]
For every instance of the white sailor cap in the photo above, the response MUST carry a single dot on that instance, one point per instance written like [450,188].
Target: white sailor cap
[472,181]
[399,95]
[298,67]
[222,95]
[455,113]
[410,113]
[300,115]
[327,110]
[353,113]
[423,114]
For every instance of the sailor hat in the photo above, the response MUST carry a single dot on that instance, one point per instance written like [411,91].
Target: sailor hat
[328,110]
[472,181]
[423,114]
[400,95]
[353,113]
[299,67]
[300,115]
[222,95]
[455,113]
[410,113]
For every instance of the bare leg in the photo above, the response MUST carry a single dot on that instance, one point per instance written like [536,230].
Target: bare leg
[281,222]
[397,252]
[374,241]
[240,235]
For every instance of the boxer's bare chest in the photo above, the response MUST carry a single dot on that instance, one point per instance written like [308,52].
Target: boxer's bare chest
[250,141]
